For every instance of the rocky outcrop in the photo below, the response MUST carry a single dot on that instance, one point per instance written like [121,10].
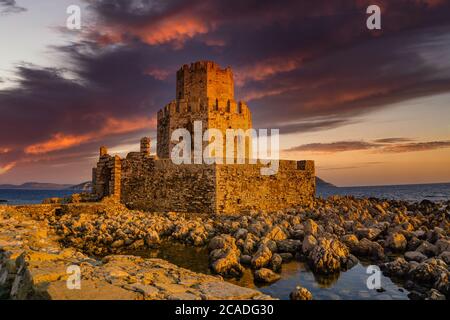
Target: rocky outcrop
[328,256]
[33,265]
[301,293]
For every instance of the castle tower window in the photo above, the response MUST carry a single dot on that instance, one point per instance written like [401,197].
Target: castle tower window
[228,106]
[177,109]
[189,108]
[240,107]
[217,105]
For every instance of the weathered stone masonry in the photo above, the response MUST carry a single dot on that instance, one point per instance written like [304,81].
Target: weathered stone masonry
[205,92]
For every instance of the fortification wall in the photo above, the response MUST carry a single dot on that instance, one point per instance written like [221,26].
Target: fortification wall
[161,186]
[242,188]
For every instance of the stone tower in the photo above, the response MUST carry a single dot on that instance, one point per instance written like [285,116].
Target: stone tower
[204,92]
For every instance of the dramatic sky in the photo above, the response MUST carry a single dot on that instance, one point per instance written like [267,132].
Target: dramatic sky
[371,107]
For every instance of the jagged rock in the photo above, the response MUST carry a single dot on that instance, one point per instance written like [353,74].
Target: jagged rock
[445,256]
[152,239]
[289,245]
[225,255]
[308,244]
[241,234]
[368,233]
[246,260]
[367,248]
[328,256]
[442,245]
[266,275]
[434,294]
[310,227]
[428,249]
[276,262]
[301,293]
[415,256]
[276,234]
[397,242]
[398,268]
[262,257]
[286,256]
[350,240]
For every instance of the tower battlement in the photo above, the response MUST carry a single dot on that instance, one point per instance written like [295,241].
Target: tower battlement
[204,79]
[205,92]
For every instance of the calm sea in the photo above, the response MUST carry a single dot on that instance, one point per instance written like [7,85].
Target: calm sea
[418,192]
[415,192]
[14,196]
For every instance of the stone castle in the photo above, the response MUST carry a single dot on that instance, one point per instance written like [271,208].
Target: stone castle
[204,92]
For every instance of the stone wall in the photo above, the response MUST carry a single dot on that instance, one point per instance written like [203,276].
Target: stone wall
[161,186]
[242,188]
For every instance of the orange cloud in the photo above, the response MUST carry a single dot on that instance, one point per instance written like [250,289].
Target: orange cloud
[7,167]
[4,150]
[61,141]
[264,69]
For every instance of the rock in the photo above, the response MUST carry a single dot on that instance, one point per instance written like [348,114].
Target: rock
[152,239]
[328,256]
[286,256]
[289,245]
[301,293]
[428,249]
[276,262]
[442,245]
[117,244]
[225,256]
[350,240]
[415,256]
[367,248]
[435,295]
[241,234]
[397,242]
[266,275]
[429,272]
[310,227]
[368,233]
[398,268]
[276,234]
[445,256]
[308,244]
[246,260]
[262,257]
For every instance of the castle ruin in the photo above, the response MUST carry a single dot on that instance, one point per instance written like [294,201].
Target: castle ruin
[204,92]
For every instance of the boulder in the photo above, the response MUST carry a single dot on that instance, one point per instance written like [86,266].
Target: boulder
[368,233]
[442,245]
[370,249]
[428,249]
[310,227]
[276,262]
[262,257]
[301,293]
[308,244]
[289,245]
[328,256]
[266,275]
[397,242]
[276,234]
[415,256]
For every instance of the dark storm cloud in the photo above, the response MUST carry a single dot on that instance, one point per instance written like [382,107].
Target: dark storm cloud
[303,66]
[10,6]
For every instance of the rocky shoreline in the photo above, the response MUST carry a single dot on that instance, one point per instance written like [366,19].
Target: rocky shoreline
[408,241]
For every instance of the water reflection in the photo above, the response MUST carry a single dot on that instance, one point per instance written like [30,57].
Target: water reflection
[349,285]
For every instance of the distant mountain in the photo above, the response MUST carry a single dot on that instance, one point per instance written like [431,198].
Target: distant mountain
[36,186]
[323,183]
[85,186]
